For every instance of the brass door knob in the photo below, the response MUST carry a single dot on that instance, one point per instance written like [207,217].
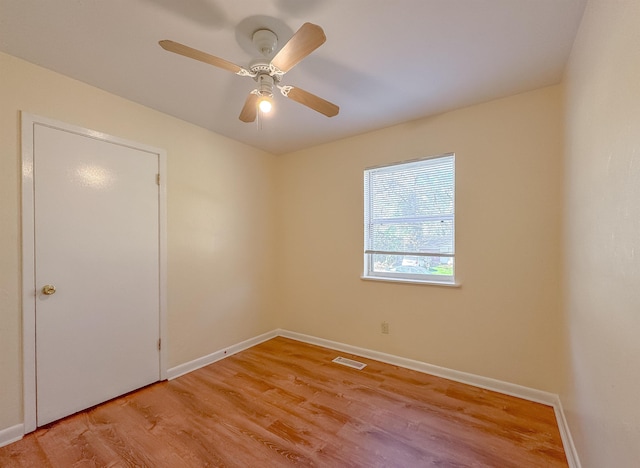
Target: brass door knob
[49,289]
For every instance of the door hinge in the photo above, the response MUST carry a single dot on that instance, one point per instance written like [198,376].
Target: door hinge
[158,179]
[159,344]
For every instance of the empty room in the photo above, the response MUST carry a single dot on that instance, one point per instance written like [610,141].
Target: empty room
[320,233]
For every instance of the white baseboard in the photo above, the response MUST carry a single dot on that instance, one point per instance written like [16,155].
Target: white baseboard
[216,356]
[526,393]
[569,447]
[519,391]
[11,434]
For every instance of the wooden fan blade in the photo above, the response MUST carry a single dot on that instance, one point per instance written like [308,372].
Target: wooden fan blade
[313,102]
[307,39]
[250,109]
[187,51]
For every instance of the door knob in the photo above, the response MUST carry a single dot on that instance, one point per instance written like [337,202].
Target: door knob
[49,289]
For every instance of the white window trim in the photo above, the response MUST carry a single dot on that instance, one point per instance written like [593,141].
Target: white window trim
[423,282]
[392,277]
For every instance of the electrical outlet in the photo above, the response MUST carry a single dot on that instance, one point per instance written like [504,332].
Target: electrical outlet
[384,328]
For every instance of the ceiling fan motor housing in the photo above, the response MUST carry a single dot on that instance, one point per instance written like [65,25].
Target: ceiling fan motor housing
[265,85]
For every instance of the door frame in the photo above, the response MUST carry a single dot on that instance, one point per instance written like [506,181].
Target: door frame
[29,122]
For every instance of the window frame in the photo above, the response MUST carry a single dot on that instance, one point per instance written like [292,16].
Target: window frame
[369,272]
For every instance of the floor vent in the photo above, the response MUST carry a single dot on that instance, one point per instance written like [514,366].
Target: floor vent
[349,363]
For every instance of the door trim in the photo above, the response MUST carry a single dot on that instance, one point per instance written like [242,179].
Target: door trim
[29,122]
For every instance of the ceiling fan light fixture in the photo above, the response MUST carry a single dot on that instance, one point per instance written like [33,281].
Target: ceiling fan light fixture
[264,104]
[265,92]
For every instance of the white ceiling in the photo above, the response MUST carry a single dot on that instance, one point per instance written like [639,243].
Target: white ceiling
[384,62]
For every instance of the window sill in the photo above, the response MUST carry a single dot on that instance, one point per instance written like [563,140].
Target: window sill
[410,281]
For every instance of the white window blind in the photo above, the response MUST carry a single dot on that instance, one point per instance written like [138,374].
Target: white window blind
[410,219]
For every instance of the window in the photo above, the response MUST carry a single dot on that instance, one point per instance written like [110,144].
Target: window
[409,216]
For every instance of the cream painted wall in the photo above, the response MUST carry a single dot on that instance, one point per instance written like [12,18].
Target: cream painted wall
[504,321]
[602,236]
[220,224]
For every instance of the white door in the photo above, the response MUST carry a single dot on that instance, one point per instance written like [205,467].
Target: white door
[97,243]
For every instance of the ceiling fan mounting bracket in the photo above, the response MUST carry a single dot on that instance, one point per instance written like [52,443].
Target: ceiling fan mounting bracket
[265,41]
[285,90]
[244,72]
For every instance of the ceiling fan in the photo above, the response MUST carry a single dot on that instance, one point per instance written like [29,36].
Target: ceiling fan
[268,73]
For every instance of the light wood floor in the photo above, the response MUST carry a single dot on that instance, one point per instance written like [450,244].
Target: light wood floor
[284,403]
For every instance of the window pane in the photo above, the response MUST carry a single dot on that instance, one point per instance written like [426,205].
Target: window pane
[412,265]
[417,191]
[421,236]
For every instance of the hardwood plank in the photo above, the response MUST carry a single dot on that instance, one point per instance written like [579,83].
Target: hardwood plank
[284,403]
[24,453]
